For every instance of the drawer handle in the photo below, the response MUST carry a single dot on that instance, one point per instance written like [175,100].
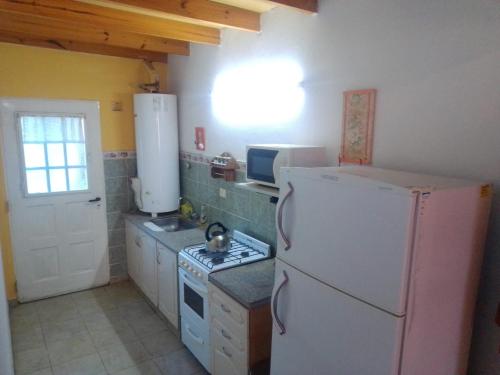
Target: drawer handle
[225,309]
[224,334]
[137,242]
[226,352]
[196,338]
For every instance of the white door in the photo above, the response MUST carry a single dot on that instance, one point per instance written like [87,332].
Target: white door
[55,189]
[149,268]
[327,332]
[167,284]
[349,233]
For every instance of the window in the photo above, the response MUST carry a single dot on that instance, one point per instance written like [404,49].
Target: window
[53,150]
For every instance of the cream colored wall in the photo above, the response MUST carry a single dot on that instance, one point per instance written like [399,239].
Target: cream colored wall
[44,73]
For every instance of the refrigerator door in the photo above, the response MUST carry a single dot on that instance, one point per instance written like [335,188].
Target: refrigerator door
[328,332]
[350,232]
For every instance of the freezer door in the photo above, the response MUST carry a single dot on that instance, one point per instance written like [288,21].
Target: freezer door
[328,332]
[352,235]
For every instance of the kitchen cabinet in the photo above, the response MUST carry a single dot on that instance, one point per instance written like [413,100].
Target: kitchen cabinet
[153,267]
[167,284]
[134,255]
[241,338]
[149,269]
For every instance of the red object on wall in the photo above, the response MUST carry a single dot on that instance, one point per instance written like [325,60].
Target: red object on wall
[199,141]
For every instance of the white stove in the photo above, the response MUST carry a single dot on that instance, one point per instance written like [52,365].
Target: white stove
[195,264]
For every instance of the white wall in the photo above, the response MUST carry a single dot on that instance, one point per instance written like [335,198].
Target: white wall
[436,66]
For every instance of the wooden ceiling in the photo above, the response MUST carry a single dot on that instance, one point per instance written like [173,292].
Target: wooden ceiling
[143,29]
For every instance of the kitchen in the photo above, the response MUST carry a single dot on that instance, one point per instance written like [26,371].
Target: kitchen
[444,56]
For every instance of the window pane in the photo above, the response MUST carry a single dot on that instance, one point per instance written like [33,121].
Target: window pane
[78,179]
[34,155]
[36,181]
[74,129]
[32,129]
[55,153]
[57,180]
[53,129]
[75,153]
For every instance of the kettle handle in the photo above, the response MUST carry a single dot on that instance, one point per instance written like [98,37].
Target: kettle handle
[207,232]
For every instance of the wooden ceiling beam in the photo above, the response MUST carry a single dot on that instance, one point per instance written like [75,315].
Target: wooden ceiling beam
[310,6]
[83,15]
[57,30]
[221,15]
[69,45]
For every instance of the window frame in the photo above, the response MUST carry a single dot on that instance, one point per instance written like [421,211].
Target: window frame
[46,168]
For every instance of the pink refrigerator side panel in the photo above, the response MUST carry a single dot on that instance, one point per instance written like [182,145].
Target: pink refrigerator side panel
[449,240]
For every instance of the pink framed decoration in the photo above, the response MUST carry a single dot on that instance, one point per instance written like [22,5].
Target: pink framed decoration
[357,126]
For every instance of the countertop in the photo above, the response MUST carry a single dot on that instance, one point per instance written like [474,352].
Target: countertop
[251,285]
[175,241]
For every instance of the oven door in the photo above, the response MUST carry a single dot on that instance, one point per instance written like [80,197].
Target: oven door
[193,299]
[260,165]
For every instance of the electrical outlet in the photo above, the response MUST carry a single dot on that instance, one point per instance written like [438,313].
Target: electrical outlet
[222,193]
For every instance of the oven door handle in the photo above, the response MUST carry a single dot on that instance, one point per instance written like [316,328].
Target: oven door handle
[196,338]
[192,285]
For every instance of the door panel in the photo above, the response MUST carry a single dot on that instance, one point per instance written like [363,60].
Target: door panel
[353,236]
[167,284]
[328,332]
[149,263]
[53,166]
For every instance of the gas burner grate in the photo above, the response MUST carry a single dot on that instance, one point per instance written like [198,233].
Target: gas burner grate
[237,254]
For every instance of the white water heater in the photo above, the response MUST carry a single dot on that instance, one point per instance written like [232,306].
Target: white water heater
[157,143]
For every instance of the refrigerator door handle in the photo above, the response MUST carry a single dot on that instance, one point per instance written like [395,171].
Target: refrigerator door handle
[274,303]
[287,242]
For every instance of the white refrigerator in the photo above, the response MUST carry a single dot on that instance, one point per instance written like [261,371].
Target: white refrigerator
[376,272]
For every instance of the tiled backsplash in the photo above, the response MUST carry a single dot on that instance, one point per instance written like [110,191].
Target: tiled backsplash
[249,212]
[119,199]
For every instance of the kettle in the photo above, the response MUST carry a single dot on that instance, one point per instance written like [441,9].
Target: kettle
[218,241]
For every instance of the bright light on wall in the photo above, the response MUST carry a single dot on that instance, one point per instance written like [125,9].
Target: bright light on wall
[261,93]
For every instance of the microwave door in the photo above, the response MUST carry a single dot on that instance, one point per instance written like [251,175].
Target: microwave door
[260,165]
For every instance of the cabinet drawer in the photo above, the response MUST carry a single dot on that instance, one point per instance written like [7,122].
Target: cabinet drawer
[227,360]
[231,313]
[236,339]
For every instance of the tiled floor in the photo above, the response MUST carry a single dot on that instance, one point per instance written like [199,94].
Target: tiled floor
[109,330]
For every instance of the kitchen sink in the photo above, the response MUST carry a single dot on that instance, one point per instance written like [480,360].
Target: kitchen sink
[173,223]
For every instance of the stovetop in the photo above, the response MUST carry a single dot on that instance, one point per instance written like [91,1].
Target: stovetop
[244,249]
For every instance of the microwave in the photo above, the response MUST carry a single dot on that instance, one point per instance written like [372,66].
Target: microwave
[264,161]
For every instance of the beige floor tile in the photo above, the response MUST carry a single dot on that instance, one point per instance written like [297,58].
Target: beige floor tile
[23,310]
[180,362]
[91,305]
[146,368]
[21,322]
[28,361]
[99,320]
[149,325]
[96,293]
[59,314]
[62,330]
[27,340]
[78,346]
[108,336]
[120,357]
[54,303]
[88,365]
[45,371]
[136,310]
[161,343]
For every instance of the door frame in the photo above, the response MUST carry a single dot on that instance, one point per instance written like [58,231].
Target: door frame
[93,112]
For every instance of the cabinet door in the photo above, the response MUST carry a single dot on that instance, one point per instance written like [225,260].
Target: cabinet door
[167,284]
[133,251]
[149,268]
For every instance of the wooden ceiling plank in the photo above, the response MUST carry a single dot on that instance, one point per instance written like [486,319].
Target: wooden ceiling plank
[62,30]
[310,6]
[84,14]
[68,45]
[222,15]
